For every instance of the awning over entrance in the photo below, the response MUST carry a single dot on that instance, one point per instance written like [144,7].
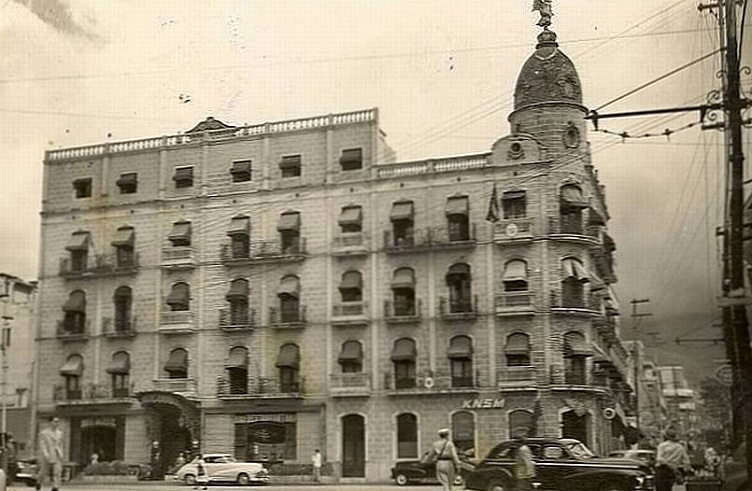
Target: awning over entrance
[290,285]
[517,344]
[574,269]
[403,278]
[288,357]
[289,221]
[457,205]
[401,210]
[73,367]
[239,226]
[351,215]
[121,364]
[404,350]
[352,351]
[238,357]
[461,348]
[124,237]
[76,302]
[79,241]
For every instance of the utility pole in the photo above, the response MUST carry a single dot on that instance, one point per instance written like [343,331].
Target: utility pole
[635,354]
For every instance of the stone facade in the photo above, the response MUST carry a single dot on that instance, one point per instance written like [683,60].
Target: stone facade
[307,323]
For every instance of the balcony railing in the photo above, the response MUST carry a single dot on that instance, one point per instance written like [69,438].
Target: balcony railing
[70,332]
[99,265]
[350,240]
[575,301]
[350,313]
[573,229]
[262,387]
[238,320]
[265,251]
[453,308]
[176,322]
[350,383]
[428,238]
[521,376]
[287,318]
[510,302]
[91,393]
[179,257]
[119,328]
[514,229]
[439,381]
[182,385]
[402,312]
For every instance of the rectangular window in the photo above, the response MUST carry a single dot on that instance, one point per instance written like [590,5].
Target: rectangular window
[128,183]
[83,188]
[120,385]
[241,171]
[514,204]
[290,165]
[183,177]
[351,159]
[72,387]
[6,337]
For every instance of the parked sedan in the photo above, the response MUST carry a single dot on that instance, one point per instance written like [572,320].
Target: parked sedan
[561,465]
[415,471]
[646,456]
[225,469]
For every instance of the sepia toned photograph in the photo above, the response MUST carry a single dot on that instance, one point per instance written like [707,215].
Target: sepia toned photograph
[494,245]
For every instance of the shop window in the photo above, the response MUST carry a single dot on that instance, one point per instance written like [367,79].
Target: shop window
[351,159]
[266,441]
[82,188]
[407,436]
[291,166]
[514,204]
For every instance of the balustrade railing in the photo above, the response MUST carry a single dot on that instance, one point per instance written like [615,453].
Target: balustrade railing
[288,316]
[119,326]
[347,309]
[261,386]
[449,306]
[91,392]
[407,311]
[237,319]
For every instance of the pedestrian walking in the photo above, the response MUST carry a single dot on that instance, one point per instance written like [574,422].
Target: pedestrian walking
[524,466]
[671,461]
[447,461]
[50,454]
[202,479]
[316,461]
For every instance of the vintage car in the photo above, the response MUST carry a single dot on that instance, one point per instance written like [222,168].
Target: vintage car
[414,471]
[735,471]
[646,456]
[560,464]
[27,471]
[224,468]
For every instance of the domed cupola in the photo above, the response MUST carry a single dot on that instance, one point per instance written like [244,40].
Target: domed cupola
[548,76]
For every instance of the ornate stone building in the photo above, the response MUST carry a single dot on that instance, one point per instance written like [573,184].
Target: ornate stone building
[271,289]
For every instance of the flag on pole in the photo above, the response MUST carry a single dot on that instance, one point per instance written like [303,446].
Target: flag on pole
[494,213]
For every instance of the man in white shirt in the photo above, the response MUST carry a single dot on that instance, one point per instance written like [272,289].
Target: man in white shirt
[316,461]
[50,454]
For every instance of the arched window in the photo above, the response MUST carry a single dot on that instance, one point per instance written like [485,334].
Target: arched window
[351,357]
[177,364]
[123,303]
[237,370]
[517,350]
[407,436]
[463,431]
[179,298]
[119,370]
[73,371]
[460,290]
[460,355]
[288,364]
[237,298]
[404,356]
[515,276]
[289,299]
[458,218]
[571,204]
[74,321]
[403,292]
[520,420]
[574,276]
[351,287]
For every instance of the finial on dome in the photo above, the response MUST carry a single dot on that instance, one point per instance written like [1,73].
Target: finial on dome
[544,8]
[547,38]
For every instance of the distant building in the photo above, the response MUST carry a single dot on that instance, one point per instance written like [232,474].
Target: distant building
[653,410]
[680,401]
[276,288]
[17,330]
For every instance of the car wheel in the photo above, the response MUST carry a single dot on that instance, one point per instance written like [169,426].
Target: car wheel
[190,479]
[243,479]
[497,485]
[459,480]
[401,480]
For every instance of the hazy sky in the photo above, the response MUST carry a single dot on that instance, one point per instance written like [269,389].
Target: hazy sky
[76,72]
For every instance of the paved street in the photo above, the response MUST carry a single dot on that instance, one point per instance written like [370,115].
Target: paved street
[286,487]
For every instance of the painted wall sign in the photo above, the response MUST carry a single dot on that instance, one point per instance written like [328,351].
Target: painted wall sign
[483,403]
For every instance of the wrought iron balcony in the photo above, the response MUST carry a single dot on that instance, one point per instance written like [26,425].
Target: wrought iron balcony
[176,322]
[573,230]
[268,387]
[232,321]
[462,308]
[287,318]
[519,376]
[424,239]
[513,303]
[575,301]
[432,383]
[402,312]
[514,230]
[73,331]
[350,384]
[91,394]
[179,257]
[119,328]
[99,265]
[350,313]
[180,385]
[260,251]
[350,244]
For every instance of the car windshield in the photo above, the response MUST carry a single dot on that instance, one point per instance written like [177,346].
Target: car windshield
[580,451]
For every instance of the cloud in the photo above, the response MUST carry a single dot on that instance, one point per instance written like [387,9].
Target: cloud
[59,15]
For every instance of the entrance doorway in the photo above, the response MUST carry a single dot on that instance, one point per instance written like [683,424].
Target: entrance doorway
[353,446]
[574,426]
